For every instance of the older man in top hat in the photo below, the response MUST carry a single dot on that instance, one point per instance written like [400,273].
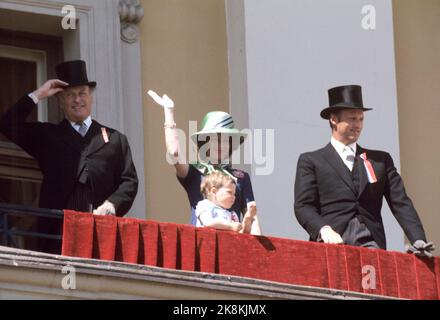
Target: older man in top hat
[339,189]
[86,165]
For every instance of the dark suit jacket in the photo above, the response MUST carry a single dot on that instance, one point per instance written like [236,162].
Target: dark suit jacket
[325,194]
[57,148]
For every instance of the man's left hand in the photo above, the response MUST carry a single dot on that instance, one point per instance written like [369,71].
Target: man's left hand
[421,249]
[106,209]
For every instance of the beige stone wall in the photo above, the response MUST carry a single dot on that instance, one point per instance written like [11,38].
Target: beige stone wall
[184,54]
[417,40]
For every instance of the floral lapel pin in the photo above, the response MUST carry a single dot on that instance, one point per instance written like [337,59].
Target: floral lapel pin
[369,168]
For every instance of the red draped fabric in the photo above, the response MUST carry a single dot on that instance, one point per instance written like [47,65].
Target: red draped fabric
[188,248]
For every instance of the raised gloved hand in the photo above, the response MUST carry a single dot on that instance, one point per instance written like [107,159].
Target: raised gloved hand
[164,101]
[421,249]
[106,209]
[328,235]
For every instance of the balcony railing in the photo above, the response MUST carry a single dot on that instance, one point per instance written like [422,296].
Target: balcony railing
[209,252]
[22,227]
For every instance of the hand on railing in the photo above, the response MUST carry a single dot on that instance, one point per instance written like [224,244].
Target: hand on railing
[421,249]
[106,209]
[328,235]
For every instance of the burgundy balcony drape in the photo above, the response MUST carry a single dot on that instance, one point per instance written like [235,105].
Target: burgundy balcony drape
[185,247]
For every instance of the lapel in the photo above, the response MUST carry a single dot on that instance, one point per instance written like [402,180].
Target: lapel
[94,135]
[363,178]
[362,171]
[96,138]
[335,161]
[69,136]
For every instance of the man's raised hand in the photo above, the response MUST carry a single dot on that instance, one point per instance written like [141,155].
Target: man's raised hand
[50,88]
[164,101]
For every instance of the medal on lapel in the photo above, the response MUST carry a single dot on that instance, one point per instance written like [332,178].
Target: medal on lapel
[369,168]
[105,135]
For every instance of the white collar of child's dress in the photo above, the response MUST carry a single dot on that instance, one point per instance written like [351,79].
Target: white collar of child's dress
[206,168]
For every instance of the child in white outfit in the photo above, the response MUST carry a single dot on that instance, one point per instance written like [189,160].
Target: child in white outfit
[219,192]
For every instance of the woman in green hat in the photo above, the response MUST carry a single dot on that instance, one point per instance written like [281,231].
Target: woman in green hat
[216,142]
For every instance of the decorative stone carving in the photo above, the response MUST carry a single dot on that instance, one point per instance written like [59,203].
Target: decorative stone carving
[130,13]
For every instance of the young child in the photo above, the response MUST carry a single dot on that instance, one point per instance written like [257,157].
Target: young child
[219,192]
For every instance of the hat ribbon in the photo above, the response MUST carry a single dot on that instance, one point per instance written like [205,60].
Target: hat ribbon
[206,168]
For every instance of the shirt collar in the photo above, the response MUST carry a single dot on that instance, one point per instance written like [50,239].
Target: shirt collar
[87,122]
[339,146]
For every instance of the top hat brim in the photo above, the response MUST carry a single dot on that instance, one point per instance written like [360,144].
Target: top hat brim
[91,84]
[325,114]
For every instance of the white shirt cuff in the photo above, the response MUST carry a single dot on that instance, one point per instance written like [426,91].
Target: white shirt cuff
[33,97]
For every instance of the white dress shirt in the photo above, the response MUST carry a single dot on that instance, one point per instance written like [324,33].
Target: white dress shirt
[87,122]
[347,153]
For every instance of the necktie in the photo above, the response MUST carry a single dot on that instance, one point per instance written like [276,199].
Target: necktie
[82,128]
[349,157]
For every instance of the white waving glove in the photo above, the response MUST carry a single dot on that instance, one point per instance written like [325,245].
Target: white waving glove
[106,209]
[328,235]
[164,101]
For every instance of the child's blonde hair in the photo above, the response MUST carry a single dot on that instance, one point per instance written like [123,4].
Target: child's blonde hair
[215,180]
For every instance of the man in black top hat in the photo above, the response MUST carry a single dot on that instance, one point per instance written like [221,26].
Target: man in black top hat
[86,166]
[339,189]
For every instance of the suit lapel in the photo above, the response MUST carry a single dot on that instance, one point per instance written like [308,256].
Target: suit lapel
[363,171]
[96,137]
[333,158]
[69,135]
[363,178]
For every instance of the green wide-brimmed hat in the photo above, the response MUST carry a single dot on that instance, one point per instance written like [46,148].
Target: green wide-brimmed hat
[218,122]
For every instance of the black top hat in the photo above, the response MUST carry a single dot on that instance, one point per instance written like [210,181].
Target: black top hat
[74,73]
[344,97]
